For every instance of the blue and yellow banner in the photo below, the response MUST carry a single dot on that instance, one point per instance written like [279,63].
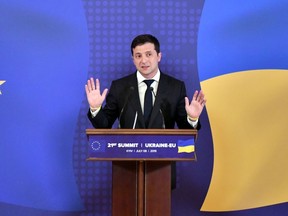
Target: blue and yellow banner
[242,57]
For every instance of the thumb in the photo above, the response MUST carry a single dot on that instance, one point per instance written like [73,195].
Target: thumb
[104,93]
[186,101]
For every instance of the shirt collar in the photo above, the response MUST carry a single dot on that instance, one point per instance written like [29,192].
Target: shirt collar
[140,78]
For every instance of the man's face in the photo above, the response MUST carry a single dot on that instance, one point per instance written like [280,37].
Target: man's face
[146,59]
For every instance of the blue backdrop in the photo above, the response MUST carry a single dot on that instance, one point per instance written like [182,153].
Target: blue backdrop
[49,49]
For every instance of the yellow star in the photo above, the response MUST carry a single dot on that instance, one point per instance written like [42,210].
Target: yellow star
[1,82]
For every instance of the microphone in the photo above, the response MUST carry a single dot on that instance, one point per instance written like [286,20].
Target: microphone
[152,90]
[160,110]
[131,89]
[135,120]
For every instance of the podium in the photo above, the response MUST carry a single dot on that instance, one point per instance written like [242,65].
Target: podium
[141,166]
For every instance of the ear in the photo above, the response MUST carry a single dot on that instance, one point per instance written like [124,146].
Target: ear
[159,56]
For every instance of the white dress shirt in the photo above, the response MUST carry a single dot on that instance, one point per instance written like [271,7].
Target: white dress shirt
[142,89]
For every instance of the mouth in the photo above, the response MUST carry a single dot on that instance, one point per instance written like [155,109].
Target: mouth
[144,67]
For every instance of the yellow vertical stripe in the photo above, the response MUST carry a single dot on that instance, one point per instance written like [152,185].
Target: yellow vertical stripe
[248,114]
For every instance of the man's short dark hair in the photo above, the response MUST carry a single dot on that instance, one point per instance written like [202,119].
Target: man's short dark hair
[145,38]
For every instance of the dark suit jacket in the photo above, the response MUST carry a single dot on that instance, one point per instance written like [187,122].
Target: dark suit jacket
[123,102]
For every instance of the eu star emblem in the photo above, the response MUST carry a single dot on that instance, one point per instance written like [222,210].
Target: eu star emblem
[1,82]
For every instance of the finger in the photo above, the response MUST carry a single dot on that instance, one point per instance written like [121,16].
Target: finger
[92,83]
[87,89]
[195,95]
[97,84]
[203,102]
[104,93]
[201,96]
[186,101]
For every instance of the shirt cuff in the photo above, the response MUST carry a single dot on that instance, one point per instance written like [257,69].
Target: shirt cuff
[95,112]
[192,123]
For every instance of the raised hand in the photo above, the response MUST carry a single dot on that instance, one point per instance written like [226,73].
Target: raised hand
[94,96]
[194,109]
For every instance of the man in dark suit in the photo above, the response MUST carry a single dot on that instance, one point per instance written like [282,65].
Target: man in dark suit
[126,96]
[125,99]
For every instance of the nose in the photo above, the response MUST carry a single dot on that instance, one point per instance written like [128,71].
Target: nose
[144,59]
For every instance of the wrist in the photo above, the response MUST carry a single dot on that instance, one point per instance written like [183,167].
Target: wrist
[93,109]
[193,119]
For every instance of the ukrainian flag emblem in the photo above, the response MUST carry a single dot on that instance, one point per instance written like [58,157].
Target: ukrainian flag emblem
[186,146]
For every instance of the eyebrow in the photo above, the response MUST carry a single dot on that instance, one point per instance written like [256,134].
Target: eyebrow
[144,52]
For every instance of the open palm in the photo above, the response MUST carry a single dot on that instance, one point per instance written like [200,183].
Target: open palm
[94,96]
[195,108]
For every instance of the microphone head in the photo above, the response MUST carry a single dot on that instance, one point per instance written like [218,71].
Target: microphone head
[152,90]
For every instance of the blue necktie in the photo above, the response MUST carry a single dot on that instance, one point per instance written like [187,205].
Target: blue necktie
[148,102]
